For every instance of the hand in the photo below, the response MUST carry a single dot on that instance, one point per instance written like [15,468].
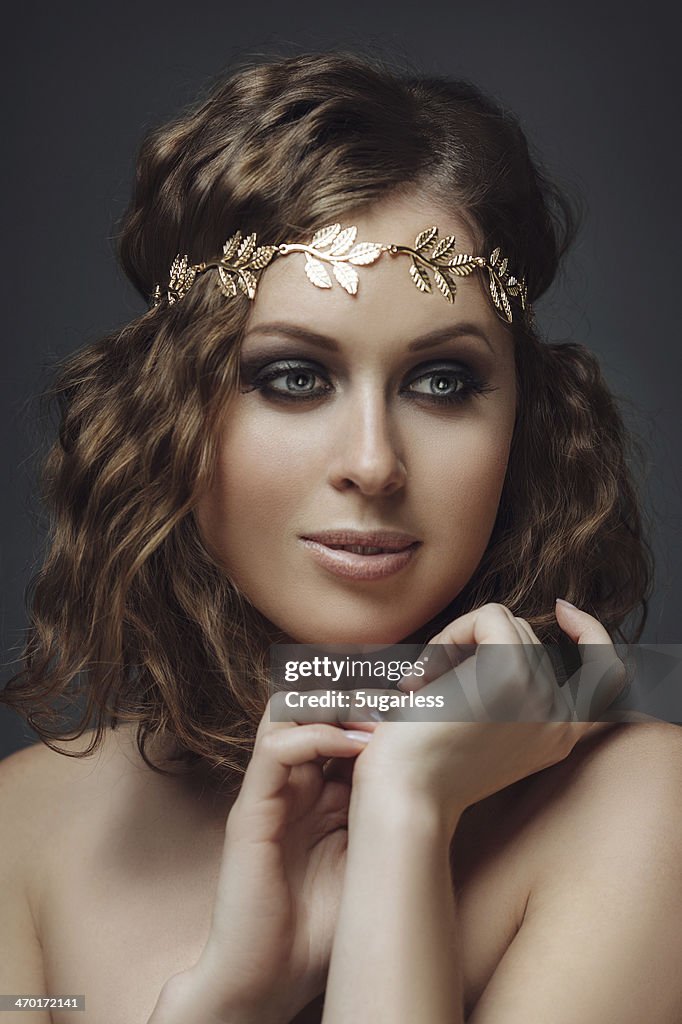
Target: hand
[507,716]
[280,878]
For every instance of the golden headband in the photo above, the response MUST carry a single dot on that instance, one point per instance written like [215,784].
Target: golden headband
[242,262]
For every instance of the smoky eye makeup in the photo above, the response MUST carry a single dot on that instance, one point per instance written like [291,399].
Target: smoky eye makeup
[287,380]
[299,379]
[259,369]
[252,366]
[446,382]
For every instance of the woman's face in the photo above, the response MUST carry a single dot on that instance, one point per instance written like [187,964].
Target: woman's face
[351,421]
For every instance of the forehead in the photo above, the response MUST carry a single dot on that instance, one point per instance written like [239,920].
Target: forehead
[387,302]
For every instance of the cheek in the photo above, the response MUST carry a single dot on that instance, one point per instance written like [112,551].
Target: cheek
[464,484]
[465,472]
[256,485]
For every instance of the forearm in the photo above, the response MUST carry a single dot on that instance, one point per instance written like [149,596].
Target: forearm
[187,997]
[396,956]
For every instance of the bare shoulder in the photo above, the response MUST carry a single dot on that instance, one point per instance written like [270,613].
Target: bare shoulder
[42,790]
[613,806]
[35,784]
[620,785]
[602,835]
[33,779]
[640,760]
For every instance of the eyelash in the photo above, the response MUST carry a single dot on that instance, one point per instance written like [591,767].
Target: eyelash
[473,384]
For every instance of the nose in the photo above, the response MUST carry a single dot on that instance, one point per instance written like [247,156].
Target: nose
[366,450]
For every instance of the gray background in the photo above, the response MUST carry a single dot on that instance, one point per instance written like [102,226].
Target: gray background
[595,87]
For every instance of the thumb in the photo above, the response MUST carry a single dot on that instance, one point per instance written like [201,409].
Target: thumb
[581,627]
[602,675]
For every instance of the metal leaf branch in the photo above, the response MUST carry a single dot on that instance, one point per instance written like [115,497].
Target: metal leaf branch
[335,247]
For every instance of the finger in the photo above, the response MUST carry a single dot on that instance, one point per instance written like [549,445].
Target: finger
[602,675]
[493,623]
[301,707]
[436,659]
[544,667]
[279,714]
[276,752]
[598,665]
[511,675]
[332,707]
[527,629]
[582,627]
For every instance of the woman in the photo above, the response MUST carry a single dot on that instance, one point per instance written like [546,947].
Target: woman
[280,401]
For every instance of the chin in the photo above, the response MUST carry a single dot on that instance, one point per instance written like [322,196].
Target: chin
[350,638]
[379,629]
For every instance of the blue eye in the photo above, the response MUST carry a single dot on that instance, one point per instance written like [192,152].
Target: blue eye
[298,382]
[289,381]
[449,384]
[445,385]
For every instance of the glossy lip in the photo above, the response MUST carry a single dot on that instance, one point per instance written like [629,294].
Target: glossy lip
[352,565]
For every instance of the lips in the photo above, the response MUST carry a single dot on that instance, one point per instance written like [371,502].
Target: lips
[361,555]
[383,540]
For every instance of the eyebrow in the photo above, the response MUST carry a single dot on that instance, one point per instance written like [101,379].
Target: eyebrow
[324,341]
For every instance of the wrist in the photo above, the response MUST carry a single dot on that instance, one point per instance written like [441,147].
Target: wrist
[189,995]
[389,812]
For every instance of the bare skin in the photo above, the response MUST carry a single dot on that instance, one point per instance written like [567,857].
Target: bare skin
[117,880]
[119,866]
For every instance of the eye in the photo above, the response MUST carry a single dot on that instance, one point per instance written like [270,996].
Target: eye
[440,384]
[289,381]
[448,384]
[299,381]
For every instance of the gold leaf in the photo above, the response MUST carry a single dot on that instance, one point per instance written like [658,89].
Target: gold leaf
[444,286]
[262,256]
[494,256]
[511,280]
[494,294]
[181,277]
[346,276]
[226,283]
[364,252]
[230,247]
[245,250]
[343,242]
[324,235]
[462,265]
[444,247]
[502,269]
[316,272]
[425,238]
[178,267]
[445,271]
[505,304]
[420,277]
[251,281]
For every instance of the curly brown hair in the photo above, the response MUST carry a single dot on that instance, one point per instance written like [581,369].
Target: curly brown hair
[130,614]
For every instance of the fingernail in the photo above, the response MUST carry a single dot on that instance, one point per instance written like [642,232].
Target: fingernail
[561,600]
[361,737]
